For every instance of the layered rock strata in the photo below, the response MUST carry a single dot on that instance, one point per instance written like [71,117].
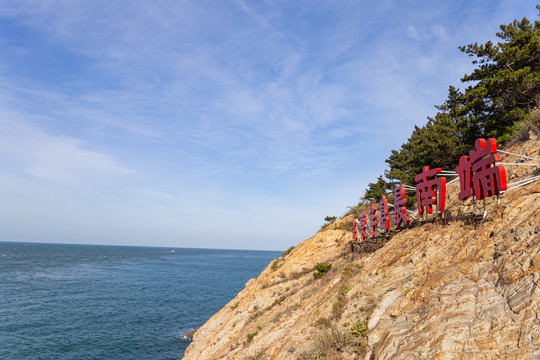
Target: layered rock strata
[461,287]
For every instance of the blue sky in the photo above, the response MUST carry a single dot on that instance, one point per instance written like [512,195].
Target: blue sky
[216,124]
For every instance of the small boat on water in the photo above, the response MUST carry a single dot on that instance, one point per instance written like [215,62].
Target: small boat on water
[173,250]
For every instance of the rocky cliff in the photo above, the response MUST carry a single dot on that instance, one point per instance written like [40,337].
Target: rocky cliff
[461,287]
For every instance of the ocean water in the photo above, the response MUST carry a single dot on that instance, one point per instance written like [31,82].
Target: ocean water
[113,302]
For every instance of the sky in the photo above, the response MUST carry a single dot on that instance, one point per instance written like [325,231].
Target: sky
[228,124]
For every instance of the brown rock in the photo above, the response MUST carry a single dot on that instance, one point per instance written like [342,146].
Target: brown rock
[458,288]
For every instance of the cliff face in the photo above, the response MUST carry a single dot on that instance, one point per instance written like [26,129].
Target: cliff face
[462,287]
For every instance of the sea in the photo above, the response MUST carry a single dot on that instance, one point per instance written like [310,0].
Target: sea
[62,301]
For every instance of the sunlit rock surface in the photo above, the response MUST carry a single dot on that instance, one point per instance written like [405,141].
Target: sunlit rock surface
[458,288]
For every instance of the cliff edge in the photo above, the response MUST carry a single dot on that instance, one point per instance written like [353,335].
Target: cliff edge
[461,287]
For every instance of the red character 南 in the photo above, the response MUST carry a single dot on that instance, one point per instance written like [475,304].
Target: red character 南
[427,189]
[383,210]
[400,211]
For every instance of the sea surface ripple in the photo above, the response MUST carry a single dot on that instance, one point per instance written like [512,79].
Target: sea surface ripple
[113,302]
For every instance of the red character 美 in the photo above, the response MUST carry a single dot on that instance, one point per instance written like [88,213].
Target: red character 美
[373,220]
[363,225]
[383,210]
[400,211]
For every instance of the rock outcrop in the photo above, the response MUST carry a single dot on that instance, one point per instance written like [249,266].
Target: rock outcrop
[461,287]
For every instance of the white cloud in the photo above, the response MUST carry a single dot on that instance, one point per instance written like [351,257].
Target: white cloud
[249,111]
[55,158]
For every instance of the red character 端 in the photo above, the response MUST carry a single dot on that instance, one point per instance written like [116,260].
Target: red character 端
[487,180]
[464,172]
[477,174]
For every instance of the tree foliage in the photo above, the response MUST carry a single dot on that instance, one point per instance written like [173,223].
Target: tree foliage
[436,144]
[506,82]
[375,191]
[504,91]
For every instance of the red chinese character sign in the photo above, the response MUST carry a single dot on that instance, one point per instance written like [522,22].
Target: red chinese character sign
[383,211]
[464,172]
[355,229]
[478,174]
[400,211]
[429,185]
[363,225]
[373,220]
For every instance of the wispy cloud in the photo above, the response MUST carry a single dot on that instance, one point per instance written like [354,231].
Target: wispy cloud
[225,105]
[55,158]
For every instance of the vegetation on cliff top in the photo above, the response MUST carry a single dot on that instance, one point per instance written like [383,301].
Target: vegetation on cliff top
[502,101]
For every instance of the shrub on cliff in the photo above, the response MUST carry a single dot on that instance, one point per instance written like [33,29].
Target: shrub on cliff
[322,269]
